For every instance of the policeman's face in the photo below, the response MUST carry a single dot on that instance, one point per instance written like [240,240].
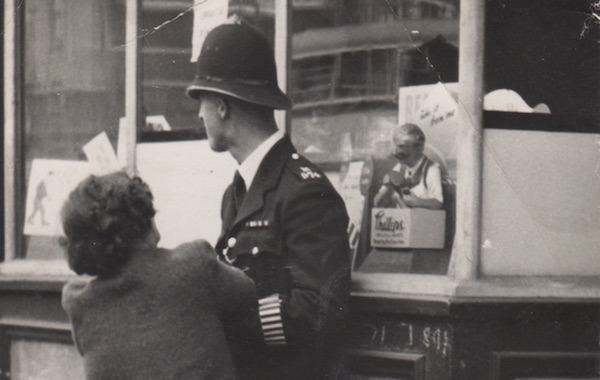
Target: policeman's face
[406,148]
[211,116]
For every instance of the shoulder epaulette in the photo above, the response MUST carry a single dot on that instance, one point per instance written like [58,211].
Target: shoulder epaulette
[303,168]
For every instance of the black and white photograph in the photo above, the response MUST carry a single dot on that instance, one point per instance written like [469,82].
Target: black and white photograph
[300,189]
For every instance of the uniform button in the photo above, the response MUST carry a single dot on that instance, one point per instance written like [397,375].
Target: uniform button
[231,242]
[255,251]
[295,156]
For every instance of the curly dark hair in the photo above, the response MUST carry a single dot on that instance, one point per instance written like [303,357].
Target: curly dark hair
[101,218]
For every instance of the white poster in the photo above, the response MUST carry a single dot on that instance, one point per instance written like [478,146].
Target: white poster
[439,107]
[412,98]
[50,183]
[188,180]
[207,15]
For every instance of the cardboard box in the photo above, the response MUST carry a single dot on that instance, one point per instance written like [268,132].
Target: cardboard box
[407,228]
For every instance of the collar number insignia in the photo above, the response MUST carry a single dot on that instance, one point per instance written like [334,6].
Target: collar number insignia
[308,173]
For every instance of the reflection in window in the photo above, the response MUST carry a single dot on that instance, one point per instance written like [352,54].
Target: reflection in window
[73,86]
[346,81]
[353,74]
[383,66]
[356,69]
[536,54]
[312,78]
[167,69]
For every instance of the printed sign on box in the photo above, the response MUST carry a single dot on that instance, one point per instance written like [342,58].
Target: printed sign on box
[407,228]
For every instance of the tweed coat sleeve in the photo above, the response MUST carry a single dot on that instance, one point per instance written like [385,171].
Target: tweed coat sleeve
[233,292]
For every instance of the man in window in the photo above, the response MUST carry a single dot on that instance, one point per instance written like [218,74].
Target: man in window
[283,223]
[416,180]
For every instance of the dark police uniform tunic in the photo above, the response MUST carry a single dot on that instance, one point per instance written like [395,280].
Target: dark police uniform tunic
[289,236]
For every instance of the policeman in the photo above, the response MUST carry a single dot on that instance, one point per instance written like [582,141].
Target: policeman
[283,223]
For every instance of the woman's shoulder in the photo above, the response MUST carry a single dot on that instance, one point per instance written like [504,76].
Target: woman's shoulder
[74,291]
[193,249]
[194,253]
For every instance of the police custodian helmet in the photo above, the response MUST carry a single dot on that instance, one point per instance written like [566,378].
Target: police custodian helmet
[237,60]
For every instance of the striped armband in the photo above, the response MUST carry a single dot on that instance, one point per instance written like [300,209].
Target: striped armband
[269,310]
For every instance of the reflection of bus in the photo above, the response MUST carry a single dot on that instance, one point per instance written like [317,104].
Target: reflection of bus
[367,63]
[342,84]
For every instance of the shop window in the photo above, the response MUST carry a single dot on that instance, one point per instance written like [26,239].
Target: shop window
[72,90]
[541,66]
[542,90]
[382,72]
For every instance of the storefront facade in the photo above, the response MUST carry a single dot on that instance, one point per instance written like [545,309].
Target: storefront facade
[514,290]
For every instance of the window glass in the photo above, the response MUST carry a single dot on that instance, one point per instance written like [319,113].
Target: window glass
[358,70]
[73,89]
[167,28]
[541,65]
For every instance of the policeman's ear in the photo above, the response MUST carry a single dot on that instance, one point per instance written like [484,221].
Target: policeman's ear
[223,107]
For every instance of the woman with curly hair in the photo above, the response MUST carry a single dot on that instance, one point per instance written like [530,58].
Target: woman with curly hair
[147,312]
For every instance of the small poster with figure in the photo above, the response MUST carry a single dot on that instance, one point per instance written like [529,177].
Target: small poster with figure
[50,182]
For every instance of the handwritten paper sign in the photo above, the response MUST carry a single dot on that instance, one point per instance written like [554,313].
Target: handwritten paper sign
[50,183]
[412,100]
[207,15]
[439,107]
[101,155]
